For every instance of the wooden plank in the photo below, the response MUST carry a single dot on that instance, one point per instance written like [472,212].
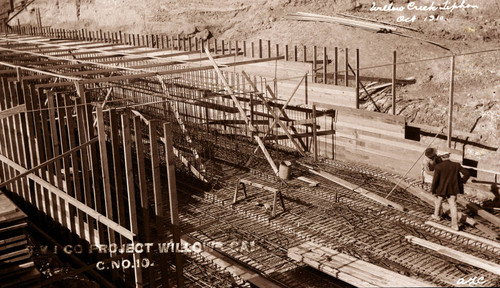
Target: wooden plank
[276,117]
[369,115]
[56,152]
[94,159]
[35,143]
[53,189]
[75,160]
[358,189]
[20,127]
[48,172]
[489,242]
[63,134]
[58,157]
[480,211]
[155,167]
[13,111]
[8,133]
[105,172]
[84,158]
[117,165]
[457,255]
[172,196]
[301,135]
[350,269]
[143,189]
[4,173]
[129,179]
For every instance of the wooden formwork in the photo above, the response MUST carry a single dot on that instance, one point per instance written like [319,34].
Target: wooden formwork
[80,163]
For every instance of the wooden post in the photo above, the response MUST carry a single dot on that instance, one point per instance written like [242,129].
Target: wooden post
[253,50]
[223,47]
[450,106]
[260,48]
[143,189]
[278,50]
[129,175]
[245,48]
[105,171]
[172,195]
[315,134]
[335,67]
[286,52]
[155,163]
[117,165]
[305,86]
[305,53]
[315,64]
[268,48]
[346,67]
[357,78]
[325,65]
[55,151]
[393,90]
[295,53]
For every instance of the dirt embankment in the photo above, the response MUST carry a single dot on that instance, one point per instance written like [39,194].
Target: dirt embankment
[477,77]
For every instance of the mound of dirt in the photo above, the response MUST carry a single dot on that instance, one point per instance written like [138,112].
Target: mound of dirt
[457,31]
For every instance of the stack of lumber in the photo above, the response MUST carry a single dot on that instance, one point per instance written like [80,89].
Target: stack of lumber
[16,267]
[349,269]
[375,27]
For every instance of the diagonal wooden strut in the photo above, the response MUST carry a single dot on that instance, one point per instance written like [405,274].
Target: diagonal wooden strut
[242,112]
[282,112]
[47,162]
[276,117]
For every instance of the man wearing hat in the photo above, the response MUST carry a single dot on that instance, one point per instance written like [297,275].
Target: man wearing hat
[446,184]
[429,162]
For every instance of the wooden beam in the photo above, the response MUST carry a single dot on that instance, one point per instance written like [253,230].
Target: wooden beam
[50,161]
[457,255]
[153,74]
[172,195]
[489,242]
[301,135]
[350,269]
[79,205]
[276,117]
[480,211]
[129,178]
[105,170]
[13,111]
[357,189]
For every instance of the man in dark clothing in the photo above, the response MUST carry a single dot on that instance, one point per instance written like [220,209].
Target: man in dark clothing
[446,184]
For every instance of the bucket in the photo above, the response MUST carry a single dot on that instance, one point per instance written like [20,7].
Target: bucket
[285,170]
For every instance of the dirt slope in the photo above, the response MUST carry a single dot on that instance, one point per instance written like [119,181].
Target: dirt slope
[477,77]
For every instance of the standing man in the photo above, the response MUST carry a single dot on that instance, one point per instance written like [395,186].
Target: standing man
[446,184]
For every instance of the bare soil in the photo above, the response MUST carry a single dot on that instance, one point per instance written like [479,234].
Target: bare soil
[477,77]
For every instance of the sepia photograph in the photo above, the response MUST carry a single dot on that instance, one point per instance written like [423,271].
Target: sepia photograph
[250,144]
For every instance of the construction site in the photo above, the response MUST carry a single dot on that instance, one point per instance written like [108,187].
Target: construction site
[149,149]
